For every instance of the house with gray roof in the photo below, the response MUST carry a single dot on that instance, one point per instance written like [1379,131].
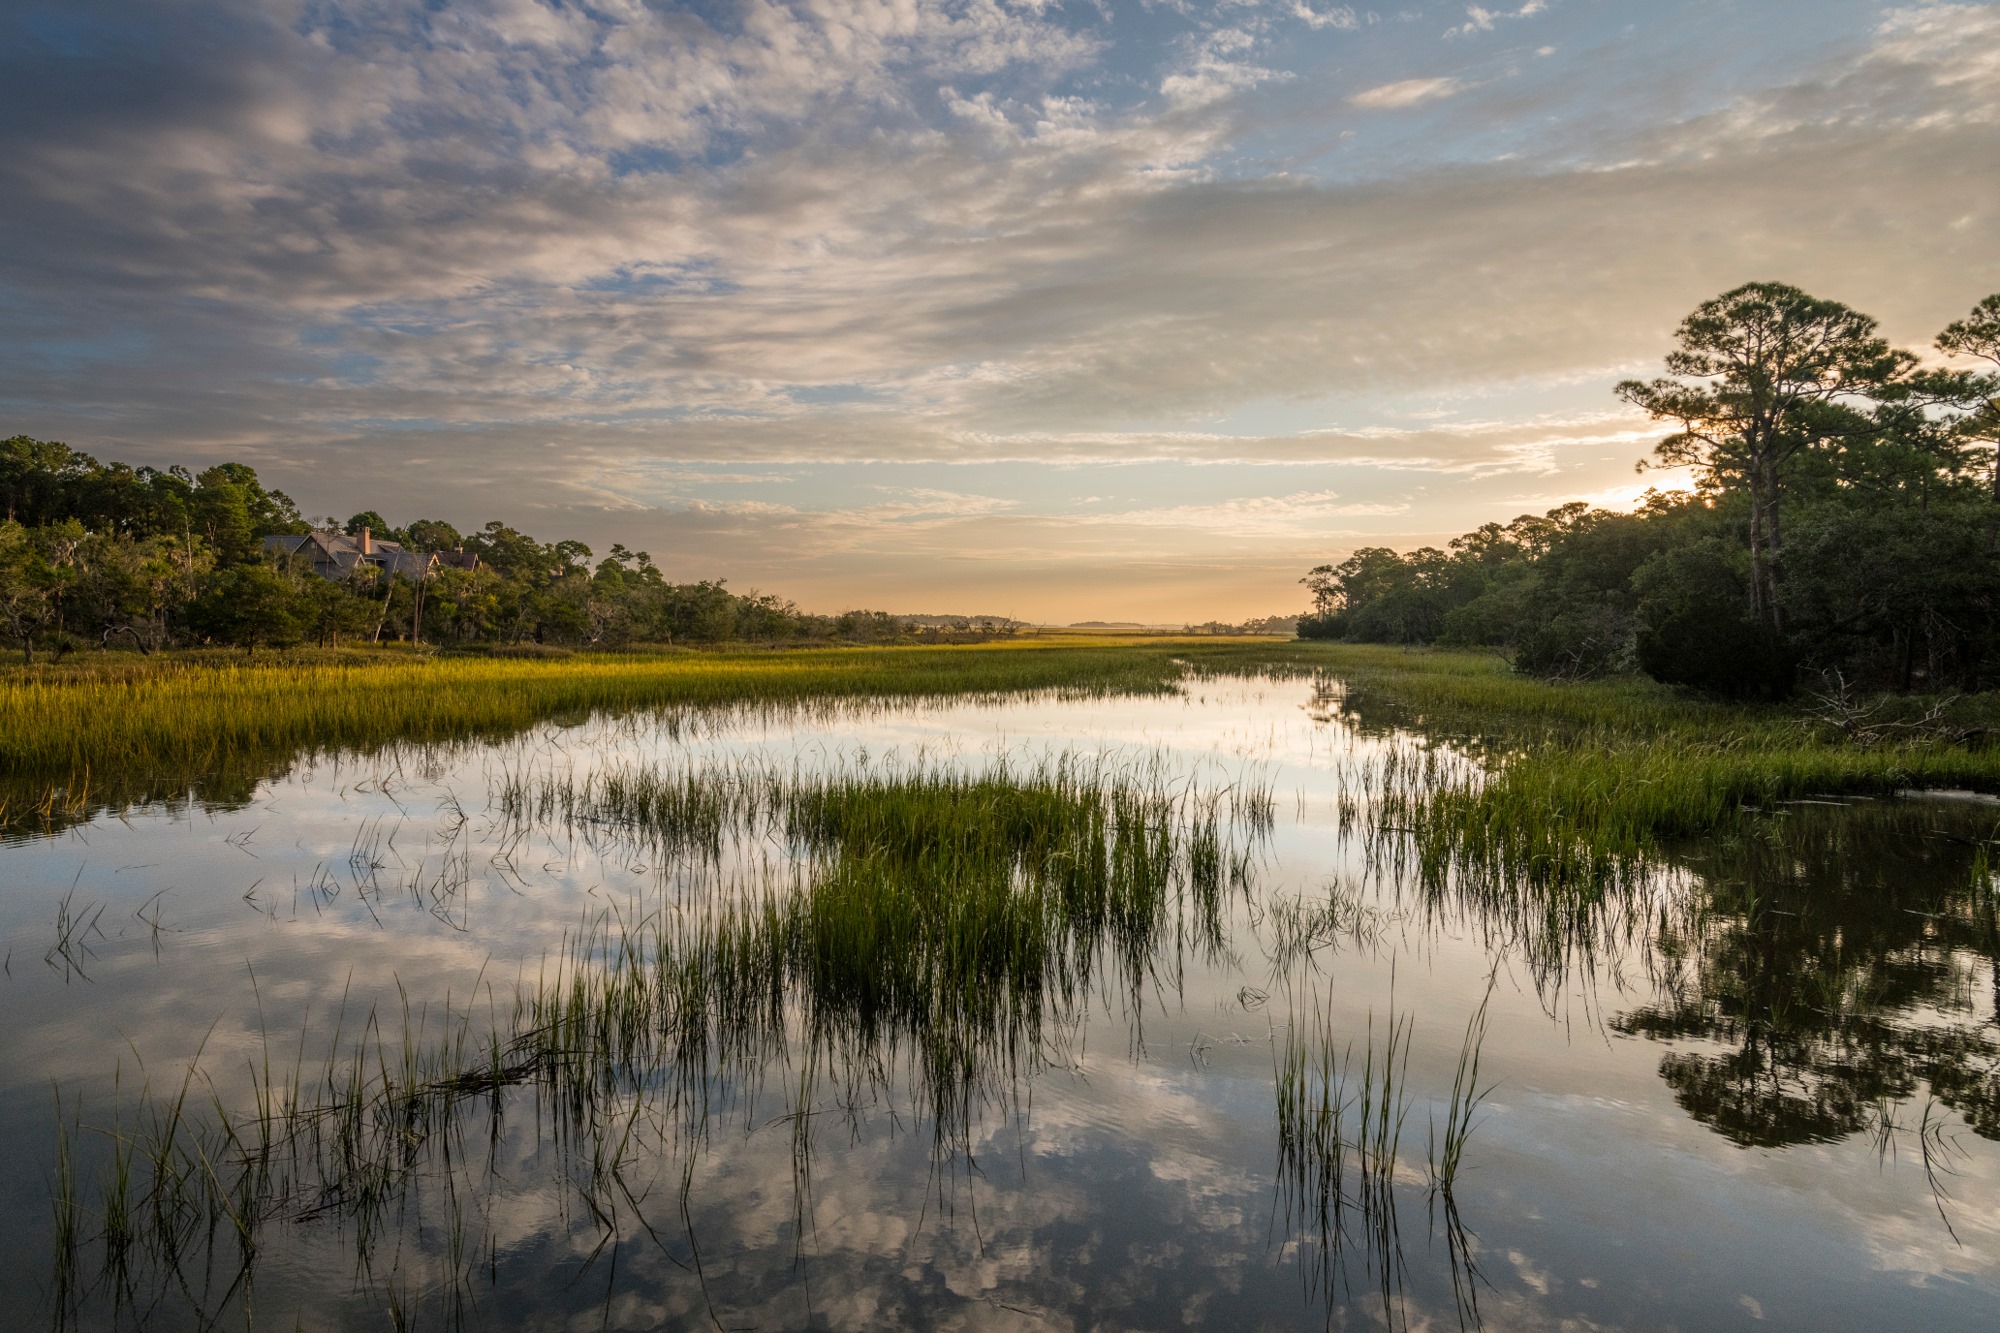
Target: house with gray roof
[335,555]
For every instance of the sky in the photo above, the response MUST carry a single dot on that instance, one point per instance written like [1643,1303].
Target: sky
[1106,309]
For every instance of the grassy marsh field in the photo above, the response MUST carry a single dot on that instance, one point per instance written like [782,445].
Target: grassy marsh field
[116,729]
[1578,780]
[1575,778]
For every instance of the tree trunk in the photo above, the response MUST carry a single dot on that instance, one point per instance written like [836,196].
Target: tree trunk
[383,619]
[137,641]
[1766,542]
[1758,611]
[1774,554]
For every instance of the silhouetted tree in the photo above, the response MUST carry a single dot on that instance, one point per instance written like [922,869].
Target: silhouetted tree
[1762,373]
[1978,335]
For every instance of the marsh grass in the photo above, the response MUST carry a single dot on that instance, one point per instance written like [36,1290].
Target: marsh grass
[923,949]
[1573,790]
[1340,1120]
[915,944]
[1447,1145]
[1341,1114]
[945,916]
[120,732]
[76,925]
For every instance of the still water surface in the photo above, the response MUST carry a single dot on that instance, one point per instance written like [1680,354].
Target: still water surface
[1761,1090]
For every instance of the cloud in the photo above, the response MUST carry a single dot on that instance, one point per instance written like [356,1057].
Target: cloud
[1479,19]
[1302,514]
[1407,92]
[520,254]
[1340,16]
[1216,68]
[993,288]
[1476,20]
[926,502]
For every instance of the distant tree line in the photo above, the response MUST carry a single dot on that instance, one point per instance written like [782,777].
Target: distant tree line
[1846,518]
[1254,625]
[106,554]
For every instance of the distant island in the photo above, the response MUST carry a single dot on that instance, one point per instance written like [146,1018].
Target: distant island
[932,621]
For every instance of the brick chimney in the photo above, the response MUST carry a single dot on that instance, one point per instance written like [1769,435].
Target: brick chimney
[367,541]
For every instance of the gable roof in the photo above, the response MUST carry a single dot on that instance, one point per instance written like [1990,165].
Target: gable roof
[336,555]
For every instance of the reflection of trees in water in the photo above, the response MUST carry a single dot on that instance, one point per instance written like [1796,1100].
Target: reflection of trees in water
[1845,959]
[1845,955]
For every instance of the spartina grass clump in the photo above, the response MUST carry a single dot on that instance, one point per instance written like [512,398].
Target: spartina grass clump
[1340,1121]
[929,939]
[1985,895]
[1588,817]
[1340,1128]
[1447,1144]
[1343,1102]
[684,812]
[1533,888]
[941,916]
[1561,794]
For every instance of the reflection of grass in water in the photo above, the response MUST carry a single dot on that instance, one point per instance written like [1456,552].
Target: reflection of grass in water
[1341,1117]
[1300,928]
[77,738]
[939,932]
[942,915]
[1340,1125]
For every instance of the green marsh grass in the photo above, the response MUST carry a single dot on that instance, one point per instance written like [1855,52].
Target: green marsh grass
[1447,1146]
[120,731]
[1576,786]
[942,915]
[918,940]
[1340,1126]
[1341,1114]
[1341,1117]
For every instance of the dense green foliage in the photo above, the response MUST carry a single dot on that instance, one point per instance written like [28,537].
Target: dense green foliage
[103,552]
[1846,519]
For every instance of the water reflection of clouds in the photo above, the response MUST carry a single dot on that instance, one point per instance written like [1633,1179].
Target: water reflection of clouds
[1139,1186]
